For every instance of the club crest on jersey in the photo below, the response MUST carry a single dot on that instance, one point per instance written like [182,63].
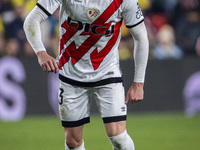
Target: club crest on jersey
[62,112]
[93,13]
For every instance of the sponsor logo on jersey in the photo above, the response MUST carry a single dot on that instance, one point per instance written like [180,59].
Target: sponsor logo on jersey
[93,13]
[105,29]
[139,11]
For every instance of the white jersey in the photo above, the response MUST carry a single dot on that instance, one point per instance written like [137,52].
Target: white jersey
[90,32]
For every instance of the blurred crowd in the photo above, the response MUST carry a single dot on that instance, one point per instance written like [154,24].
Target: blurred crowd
[173,29]
[13,41]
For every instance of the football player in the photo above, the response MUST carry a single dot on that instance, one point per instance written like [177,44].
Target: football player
[89,63]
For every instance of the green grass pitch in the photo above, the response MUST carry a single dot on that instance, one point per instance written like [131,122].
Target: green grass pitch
[149,132]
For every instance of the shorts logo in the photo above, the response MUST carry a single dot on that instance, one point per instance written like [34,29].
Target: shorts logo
[93,13]
[123,109]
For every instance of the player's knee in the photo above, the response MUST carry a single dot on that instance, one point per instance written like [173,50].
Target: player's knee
[122,142]
[73,146]
[73,143]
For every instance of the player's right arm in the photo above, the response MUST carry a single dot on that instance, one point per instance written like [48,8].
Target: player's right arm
[33,33]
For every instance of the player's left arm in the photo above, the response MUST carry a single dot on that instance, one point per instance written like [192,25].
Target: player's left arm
[141,51]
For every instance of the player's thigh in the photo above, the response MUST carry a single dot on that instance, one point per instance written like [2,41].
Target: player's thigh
[115,128]
[73,105]
[110,101]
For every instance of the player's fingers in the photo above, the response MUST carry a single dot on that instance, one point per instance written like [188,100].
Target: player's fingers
[48,68]
[44,68]
[56,66]
[127,99]
[52,68]
[57,69]
[136,100]
[132,101]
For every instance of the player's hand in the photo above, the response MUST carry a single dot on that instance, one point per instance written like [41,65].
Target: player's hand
[135,93]
[47,62]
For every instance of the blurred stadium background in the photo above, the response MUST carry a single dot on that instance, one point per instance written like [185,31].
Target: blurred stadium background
[168,118]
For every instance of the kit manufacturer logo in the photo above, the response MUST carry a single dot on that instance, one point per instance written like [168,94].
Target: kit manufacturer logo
[123,109]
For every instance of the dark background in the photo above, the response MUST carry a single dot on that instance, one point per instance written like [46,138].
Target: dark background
[164,85]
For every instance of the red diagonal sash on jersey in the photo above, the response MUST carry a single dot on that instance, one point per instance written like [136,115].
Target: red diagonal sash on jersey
[96,57]
[77,54]
[65,37]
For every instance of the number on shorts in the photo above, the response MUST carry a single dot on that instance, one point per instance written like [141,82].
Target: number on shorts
[61,96]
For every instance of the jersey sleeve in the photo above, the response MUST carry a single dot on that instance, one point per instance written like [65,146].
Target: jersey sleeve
[131,13]
[49,6]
